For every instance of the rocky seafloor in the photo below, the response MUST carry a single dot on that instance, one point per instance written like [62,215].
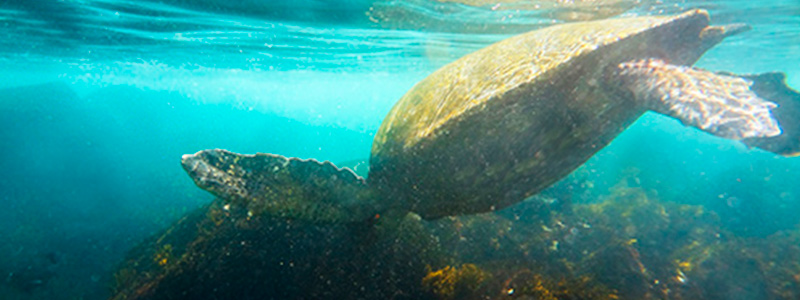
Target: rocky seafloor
[627,245]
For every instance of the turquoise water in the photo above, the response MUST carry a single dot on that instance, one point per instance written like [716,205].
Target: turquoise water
[100,98]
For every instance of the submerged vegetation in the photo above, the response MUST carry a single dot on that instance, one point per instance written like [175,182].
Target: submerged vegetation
[629,245]
[455,283]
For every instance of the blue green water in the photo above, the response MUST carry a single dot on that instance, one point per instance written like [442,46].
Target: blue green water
[100,98]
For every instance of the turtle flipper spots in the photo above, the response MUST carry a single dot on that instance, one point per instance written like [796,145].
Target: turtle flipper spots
[274,185]
[721,104]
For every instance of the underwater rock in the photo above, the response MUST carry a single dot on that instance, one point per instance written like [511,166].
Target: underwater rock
[221,252]
[630,245]
[455,283]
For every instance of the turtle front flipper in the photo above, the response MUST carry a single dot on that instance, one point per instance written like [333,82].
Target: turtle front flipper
[274,185]
[723,104]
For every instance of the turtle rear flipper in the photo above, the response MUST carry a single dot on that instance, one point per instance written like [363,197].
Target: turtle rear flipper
[773,86]
[760,110]
[719,104]
[274,185]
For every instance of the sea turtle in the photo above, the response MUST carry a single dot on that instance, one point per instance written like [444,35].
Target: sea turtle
[499,125]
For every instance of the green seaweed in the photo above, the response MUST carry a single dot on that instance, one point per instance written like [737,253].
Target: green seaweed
[628,245]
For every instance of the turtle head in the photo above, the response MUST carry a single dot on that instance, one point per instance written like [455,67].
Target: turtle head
[204,168]
[285,187]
